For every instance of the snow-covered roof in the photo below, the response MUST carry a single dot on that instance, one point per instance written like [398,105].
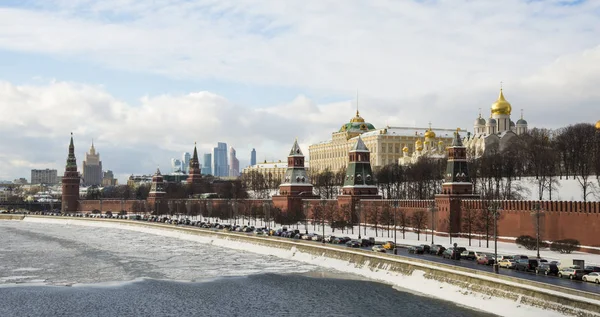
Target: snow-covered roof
[411,131]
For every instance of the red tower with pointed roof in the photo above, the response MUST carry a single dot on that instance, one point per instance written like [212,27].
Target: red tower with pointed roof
[296,185]
[195,175]
[157,192]
[70,182]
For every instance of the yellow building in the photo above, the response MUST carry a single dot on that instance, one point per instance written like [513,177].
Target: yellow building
[387,145]
[270,170]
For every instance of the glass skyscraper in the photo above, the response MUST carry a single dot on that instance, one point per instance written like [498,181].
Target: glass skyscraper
[220,168]
[207,164]
[253,157]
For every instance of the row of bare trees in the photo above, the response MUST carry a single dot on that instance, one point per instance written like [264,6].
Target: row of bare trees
[547,156]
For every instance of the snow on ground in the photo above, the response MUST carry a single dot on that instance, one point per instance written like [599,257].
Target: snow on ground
[415,282]
[567,189]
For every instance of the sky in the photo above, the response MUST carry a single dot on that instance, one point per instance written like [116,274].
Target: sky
[146,79]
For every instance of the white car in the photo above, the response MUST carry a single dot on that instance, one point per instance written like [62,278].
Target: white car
[593,277]
[378,248]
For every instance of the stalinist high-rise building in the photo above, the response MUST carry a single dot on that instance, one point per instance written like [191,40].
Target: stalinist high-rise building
[92,168]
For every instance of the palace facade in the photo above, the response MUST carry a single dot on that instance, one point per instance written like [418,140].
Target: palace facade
[387,145]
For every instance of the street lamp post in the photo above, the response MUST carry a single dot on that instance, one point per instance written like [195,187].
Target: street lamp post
[358,208]
[494,208]
[395,231]
[306,217]
[432,211]
[537,209]
[323,203]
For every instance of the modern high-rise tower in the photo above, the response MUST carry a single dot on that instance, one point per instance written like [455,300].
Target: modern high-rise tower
[234,163]
[92,168]
[207,164]
[185,162]
[253,157]
[220,160]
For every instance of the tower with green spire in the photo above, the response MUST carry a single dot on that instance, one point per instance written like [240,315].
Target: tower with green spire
[70,182]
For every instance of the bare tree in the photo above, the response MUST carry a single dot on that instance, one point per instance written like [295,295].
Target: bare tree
[403,222]
[468,222]
[419,219]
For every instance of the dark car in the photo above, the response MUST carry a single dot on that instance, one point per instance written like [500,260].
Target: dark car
[426,248]
[468,255]
[416,249]
[353,244]
[451,254]
[436,249]
[547,269]
[367,242]
[590,269]
[526,265]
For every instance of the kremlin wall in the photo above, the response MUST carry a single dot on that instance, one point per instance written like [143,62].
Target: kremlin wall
[359,194]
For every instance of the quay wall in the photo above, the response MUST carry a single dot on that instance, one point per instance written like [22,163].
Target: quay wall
[384,267]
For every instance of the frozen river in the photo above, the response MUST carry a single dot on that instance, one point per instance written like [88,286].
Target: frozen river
[115,272]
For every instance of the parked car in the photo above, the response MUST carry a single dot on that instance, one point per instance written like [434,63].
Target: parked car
[451,254]
[571,273]
[520,257]
[426,248]
[547,269]
[353,244]
[389,245]
[507,263]
[526,265]
[488,259]
[590,269]
[593,277]
[378,248]
[367,242]
[415,249]
[436,249]
[329,238]
[468,255]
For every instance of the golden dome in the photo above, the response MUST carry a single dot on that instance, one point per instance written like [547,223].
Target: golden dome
[441,142]
[420,148]
[429,134]
[358,118]
[501,106]
[419,142]
[598,125]
[405,149]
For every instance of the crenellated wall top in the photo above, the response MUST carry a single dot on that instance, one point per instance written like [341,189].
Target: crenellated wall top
[532,205]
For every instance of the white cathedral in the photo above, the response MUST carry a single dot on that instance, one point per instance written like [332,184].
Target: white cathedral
[497,131]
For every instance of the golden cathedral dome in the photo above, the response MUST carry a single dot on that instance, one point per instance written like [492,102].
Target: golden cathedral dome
[598,125]
[501,106]
[441,142]
[405,149]
[429,134]
[419,142]
[358,118]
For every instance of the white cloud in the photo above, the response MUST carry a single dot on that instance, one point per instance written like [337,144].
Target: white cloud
[413,62]
[385,48]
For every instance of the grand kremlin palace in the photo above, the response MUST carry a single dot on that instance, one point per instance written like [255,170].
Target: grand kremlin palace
[405,145]
[387,145]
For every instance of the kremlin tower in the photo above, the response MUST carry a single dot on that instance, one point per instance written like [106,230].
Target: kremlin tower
[296,185]
[70,182]
[195,175]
